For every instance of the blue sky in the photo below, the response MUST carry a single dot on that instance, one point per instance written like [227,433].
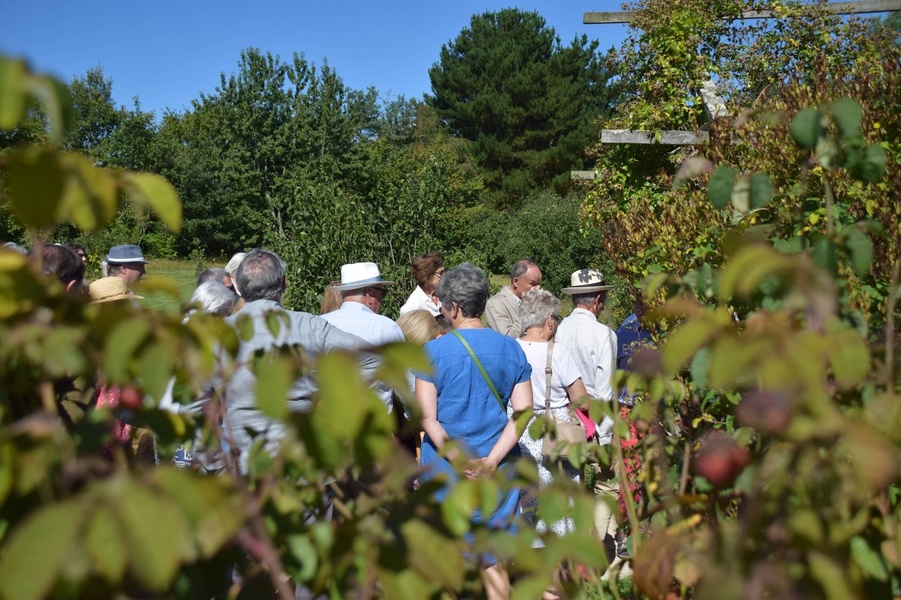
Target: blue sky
[167,52]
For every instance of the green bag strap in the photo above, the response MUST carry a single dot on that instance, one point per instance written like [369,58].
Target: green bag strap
[478,363]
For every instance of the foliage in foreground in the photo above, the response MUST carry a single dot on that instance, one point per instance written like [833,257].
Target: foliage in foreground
[76,525]
[771,409]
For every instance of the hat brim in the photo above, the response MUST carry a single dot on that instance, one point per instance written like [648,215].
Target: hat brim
[361,285]
[125,261]
[586,289]
[117,298]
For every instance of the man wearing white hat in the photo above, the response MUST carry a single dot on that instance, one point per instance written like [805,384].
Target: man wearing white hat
[362,292]
[593,345]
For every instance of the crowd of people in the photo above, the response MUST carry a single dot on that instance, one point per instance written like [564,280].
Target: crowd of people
[492,357]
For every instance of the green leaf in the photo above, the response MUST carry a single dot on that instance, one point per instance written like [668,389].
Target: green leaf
[121,346]
[849,357]
[748,268]
[823,253]
[805,128]
[154,532]
[157,193]
[91,199]
[719,189]
[105,546]
[860,248]
[13,96]
[741,194]
[37,549]
[432,554]
[848,115]
[274,375]
[56,104]
[305,554]
[156,368]
[684,342]
[869,560]
[36,185]
[870,167]
[761,190]
[699,367]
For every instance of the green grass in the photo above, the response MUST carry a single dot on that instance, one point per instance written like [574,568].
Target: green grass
[181,273]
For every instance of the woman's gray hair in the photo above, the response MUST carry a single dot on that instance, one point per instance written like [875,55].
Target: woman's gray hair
[537,305]
[213,298]
[467,287]
[232,267]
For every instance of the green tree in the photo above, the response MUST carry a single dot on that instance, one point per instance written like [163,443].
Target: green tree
[528,105]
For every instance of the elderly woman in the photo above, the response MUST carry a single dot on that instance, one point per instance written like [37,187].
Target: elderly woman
[459,405]
[213,298]
[540,315]
[427,271]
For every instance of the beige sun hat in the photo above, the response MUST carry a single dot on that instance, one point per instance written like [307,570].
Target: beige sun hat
[110,289]
[585,281]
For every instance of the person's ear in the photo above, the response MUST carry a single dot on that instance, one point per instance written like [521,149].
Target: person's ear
[71,285]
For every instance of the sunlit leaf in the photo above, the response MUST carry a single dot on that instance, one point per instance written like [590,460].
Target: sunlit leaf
[869,559]
[849,357]
[90,199]
[156,368]
[274,375]
[153,544]
[805,128]
[36,184]
[748,267]
[122,344]
[305,553]
[157,193]
[13,96]
[431,553]
[36,550]
[105,546]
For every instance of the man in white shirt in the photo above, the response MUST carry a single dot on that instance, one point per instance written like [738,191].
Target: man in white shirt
[593,345]
[362,291]
[502,309]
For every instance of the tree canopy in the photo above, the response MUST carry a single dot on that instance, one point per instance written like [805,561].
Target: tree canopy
[528,104]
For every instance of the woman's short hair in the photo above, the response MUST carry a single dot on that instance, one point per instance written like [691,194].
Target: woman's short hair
[261,276]
[214,298]
[426,265]
[537,305]
[467,287]
[419,326]
[331,299]
[232,267]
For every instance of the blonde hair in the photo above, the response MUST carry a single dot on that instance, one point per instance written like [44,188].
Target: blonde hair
[419,326]
[331,299]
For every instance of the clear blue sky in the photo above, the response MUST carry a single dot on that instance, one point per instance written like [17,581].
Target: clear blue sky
[167,52]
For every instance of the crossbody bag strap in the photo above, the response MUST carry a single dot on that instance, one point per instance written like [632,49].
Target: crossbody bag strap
[547,377]
[478,363]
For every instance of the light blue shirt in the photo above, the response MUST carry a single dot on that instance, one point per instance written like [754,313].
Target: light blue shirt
[373,328]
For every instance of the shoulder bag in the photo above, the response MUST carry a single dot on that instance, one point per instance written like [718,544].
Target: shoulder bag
[560,434]
[478,363]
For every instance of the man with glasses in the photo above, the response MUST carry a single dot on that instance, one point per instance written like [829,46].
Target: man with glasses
[362,293]
[502,310]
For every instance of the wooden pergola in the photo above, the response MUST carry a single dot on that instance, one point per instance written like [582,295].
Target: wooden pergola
[714,106]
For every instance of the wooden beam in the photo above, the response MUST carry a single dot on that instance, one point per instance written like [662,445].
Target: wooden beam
[667,137]
[859,7]
[582,175]
[714,105]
